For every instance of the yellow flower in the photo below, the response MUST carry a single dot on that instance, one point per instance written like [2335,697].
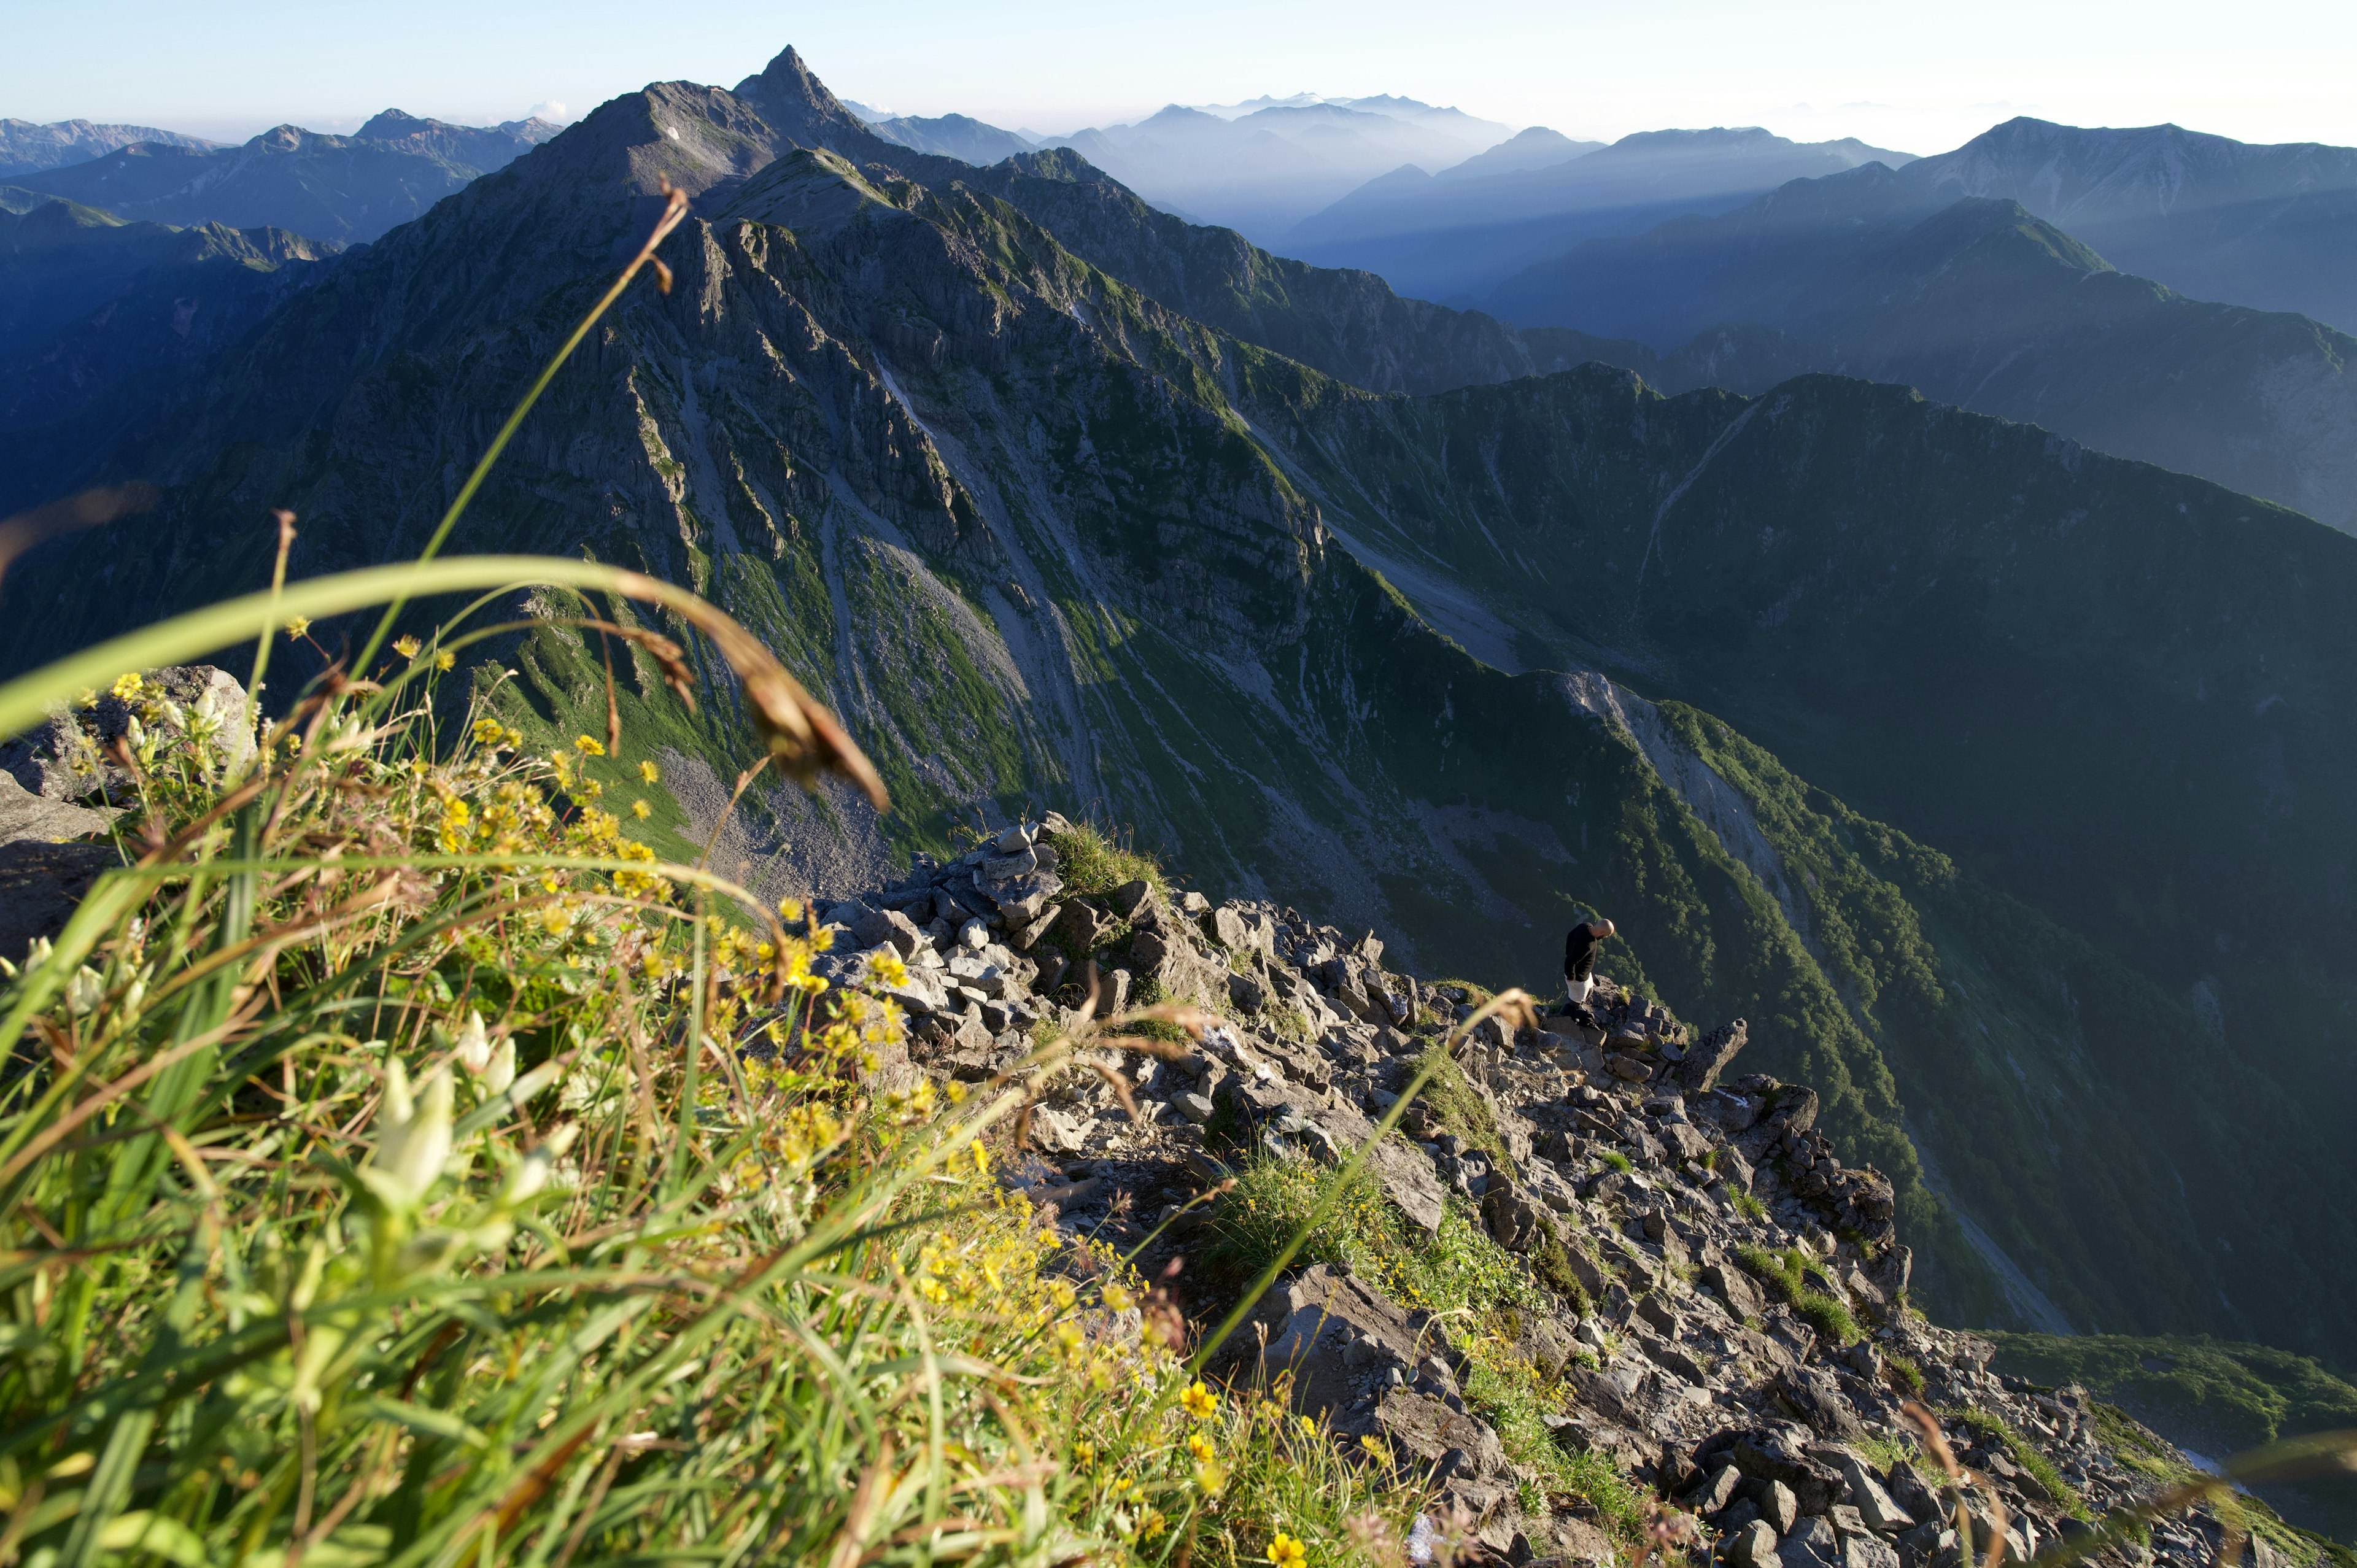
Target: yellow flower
[1117,1298]
[128,686]
[1061,1291]
[981,1159]
[487,732]
[407,646]
[299,627]
[588,746]
[1377,1447]
[88,698]
[557,919]
[1211,1478]
[445,660]
[1285,1552]
[1308,1426]
[650,772]
[1199,1401]
[1152,1525]
[1200,1447]
[641,810]
[885,969]
[1084,1454]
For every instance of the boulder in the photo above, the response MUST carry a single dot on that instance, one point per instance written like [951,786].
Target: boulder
[1752,1546]
[1126,899]
[65,757]
[1734,1287]
[1246,993]
[881,927]
[1775,1456]
[1779,1507]
[1815,1398]
[1334,1336]
[1812,1544]
[1630,1069]
[1080,925]
[1867,1552]
[28,818]
[1511,1219]
[1709,1056]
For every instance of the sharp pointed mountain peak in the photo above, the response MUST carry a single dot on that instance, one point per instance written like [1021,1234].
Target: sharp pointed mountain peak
[796,102]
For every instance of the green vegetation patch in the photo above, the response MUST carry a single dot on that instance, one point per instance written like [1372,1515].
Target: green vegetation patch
[1786,1275]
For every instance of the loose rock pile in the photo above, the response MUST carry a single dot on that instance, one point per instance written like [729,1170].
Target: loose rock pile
[1733,1334]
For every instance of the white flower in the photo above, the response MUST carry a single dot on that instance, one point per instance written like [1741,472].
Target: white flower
[500,1076]
[413,1136]
[474,1048]
[85,990]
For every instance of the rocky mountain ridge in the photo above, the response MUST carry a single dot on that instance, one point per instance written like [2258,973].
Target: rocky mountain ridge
[1715,1309]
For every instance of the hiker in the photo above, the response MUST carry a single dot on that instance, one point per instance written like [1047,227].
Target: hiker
[1579,959]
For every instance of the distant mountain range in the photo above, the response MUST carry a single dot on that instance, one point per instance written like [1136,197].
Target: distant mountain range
[1978,303]
[340,189]
[26,147]
[959,136]
[2268,226]
[1459,234]
[1261,172]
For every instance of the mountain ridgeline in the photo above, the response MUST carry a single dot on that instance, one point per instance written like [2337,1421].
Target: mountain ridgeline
[1978,303]
[2005,787]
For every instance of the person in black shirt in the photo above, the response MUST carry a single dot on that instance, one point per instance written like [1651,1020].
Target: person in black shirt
[1579,958]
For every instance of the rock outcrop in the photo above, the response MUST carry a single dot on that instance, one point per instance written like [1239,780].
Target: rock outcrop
[1727,1323]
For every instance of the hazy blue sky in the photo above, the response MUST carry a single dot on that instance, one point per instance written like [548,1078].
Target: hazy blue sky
[1917,78]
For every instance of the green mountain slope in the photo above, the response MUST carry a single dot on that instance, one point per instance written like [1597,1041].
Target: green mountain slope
[1044,540]
[2212,1397]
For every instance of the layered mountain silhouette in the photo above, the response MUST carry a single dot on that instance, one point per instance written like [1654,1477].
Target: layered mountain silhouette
[26,147]
[2004,786]
[2266,226]
[1263,171]
[343,190]
[1459,235]
[1980,304]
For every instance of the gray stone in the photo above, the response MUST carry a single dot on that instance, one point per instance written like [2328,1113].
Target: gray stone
[1025,938]
[1812,1544]
[66,758]
[1716,1491]
[1511,1219]
[1734,1287]
[1709,1056]
[1752,1546]
[1773,1457]
[1865,1550]
[1125,899]
[1630,1069]
[1196,1107]
[879,927]
[1779,1507]
[1246,993]
[1000,868]
[1866,1495]
[28,818]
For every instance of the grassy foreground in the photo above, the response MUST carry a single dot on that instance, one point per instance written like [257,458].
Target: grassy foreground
[385,1178]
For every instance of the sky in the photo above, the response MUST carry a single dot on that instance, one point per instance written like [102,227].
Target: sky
[1917,79]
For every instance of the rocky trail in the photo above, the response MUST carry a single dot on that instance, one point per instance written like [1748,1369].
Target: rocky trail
[1726,1325]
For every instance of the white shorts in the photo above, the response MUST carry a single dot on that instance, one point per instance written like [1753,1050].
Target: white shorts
[1581,988]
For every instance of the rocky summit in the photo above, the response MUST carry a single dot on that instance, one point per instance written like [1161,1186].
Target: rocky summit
[1718,1307]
